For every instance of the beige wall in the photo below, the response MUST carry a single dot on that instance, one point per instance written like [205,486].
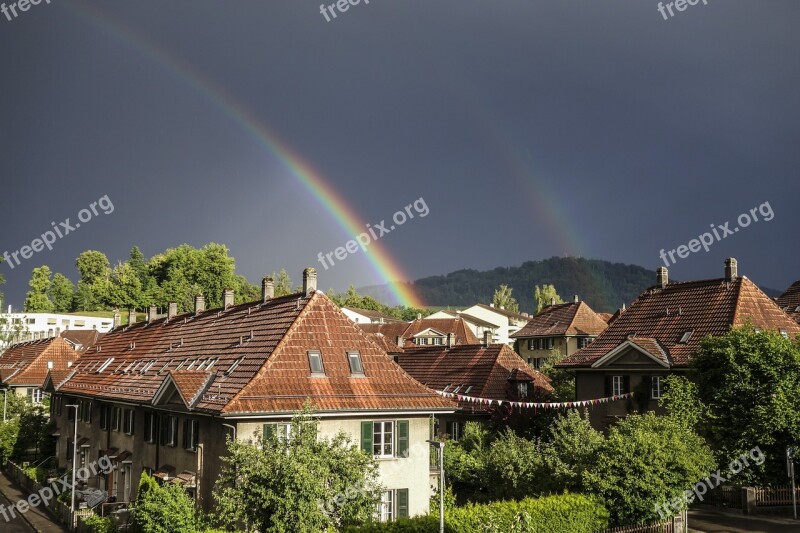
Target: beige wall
[590,384]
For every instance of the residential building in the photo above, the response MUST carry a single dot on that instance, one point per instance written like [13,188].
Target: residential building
[24,366]
[423,332]
[506,322]
[159,396]
[558,330]
[23,327]
[492,371]
[368,316]
[82,340]
[790,301]
[478,326]
[658,334]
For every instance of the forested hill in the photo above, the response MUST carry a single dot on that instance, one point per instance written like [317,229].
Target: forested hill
[602,284]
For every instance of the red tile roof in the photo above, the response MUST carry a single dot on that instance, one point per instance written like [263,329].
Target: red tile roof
[373,315]
[480,371]
[660,318]
[256,356]
[27,363]
[82,339]
[407,330]
[563,319]
[790,301]
[190,384]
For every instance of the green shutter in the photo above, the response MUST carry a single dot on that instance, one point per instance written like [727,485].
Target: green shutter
[402,438]
[269,432]
[366,438]
[402,503]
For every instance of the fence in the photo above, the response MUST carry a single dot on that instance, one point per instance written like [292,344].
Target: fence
[677,524]
[775,496]
[727,497]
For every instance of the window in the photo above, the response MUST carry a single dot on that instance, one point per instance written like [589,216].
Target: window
[105,365]
[127,422]
[116,418]
[315,362]
[150,427]
[522,390]
[105,417]
[453,429]
[619,385]
[583,342]
[437,341]
[686,336]
[35,395]
[393,505]
[80,323]
[233,367]
[169,430]
[541,344]
[383,439]
[282,431]
[190,430]
[656,387]
[355,363]
[377,438]
[31,321]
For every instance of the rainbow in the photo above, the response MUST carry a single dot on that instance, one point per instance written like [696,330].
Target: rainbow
[314,182]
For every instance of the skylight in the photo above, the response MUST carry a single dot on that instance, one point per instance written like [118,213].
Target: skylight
[233,366]
[686,336]
[105,365]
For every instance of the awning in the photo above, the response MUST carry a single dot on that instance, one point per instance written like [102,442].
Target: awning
[111,453]
[186,479]
[164,473]
[84,442]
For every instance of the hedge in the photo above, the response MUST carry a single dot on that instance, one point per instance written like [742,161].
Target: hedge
[566,513]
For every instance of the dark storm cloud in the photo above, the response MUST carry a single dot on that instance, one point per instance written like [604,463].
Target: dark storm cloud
[531,128]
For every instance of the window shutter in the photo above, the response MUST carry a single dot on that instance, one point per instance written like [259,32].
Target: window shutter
[366,438]
[626,384]
[268,433]
[609,388]
[402,438]
[402,503]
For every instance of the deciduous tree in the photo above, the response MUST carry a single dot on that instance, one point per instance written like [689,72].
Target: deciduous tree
[36,300]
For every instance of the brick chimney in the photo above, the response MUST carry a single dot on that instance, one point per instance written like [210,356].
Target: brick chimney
[451,340]
[152,313]
[267,289]
[117,318]
[487,338]
[552,301]
[731,269]
[172,310]
[576,299]
[309,281]
[131,316]
[662,277]
[227,298]
[199,304]
[400,341]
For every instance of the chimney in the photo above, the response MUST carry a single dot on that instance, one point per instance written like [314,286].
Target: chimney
[172,310]
[400,341]
[576,299]
[309,281]
[552,301]
[267,289]
[450,340]
[117,318]
[731,269]
[662,277]
[487,338]
[151,313]
[227,298]
[199,304]
[131,317]
[419,316]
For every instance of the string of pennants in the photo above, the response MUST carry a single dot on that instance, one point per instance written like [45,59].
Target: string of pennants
[534,405]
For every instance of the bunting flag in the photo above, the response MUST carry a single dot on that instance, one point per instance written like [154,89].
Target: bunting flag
[535,405]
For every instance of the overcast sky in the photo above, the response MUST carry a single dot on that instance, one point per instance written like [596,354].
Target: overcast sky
[531,128]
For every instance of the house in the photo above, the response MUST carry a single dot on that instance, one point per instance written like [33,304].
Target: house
[24,366]
[790,301]
[477,325]
[658,334]
[367,316]
[423,332]
[21,327]
[159,396]
[558,329]
[491,371]
[506,322]
[83,340]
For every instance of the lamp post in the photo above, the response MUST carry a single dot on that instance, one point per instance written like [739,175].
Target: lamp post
[5,403]
[790,472]
[74,463]
[440,450]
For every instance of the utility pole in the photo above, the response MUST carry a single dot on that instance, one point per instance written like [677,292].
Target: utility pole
[790,471]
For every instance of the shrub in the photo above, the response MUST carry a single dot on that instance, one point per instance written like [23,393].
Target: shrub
[97,524]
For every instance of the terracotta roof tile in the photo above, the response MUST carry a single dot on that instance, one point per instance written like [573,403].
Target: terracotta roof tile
[82,339]
[790,301]
[680,315]
[407,330]
[563,319]
[27,363]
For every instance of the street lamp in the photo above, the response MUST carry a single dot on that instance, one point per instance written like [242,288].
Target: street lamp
[5,403]
[440,448]
[74,463]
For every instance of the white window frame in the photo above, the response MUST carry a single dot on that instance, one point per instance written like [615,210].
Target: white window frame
[380,431]
[656,387]
[316,355]
[355,356]
[386,506]
[617,385]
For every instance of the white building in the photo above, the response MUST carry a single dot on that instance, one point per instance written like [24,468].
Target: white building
[23,327]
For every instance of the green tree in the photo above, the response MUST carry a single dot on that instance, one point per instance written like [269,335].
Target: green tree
[546,295]
[747,382]
[94,285]
[645,461]
[300,483]
[570,451]
[166,509]
[125,290]
[61,293]
[681,400]
[36,300]
[562,380]
[283,283]
[502,298]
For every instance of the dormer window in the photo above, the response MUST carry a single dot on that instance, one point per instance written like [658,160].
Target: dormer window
[522,390]
[686,336]
[315,362]
[355,363]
